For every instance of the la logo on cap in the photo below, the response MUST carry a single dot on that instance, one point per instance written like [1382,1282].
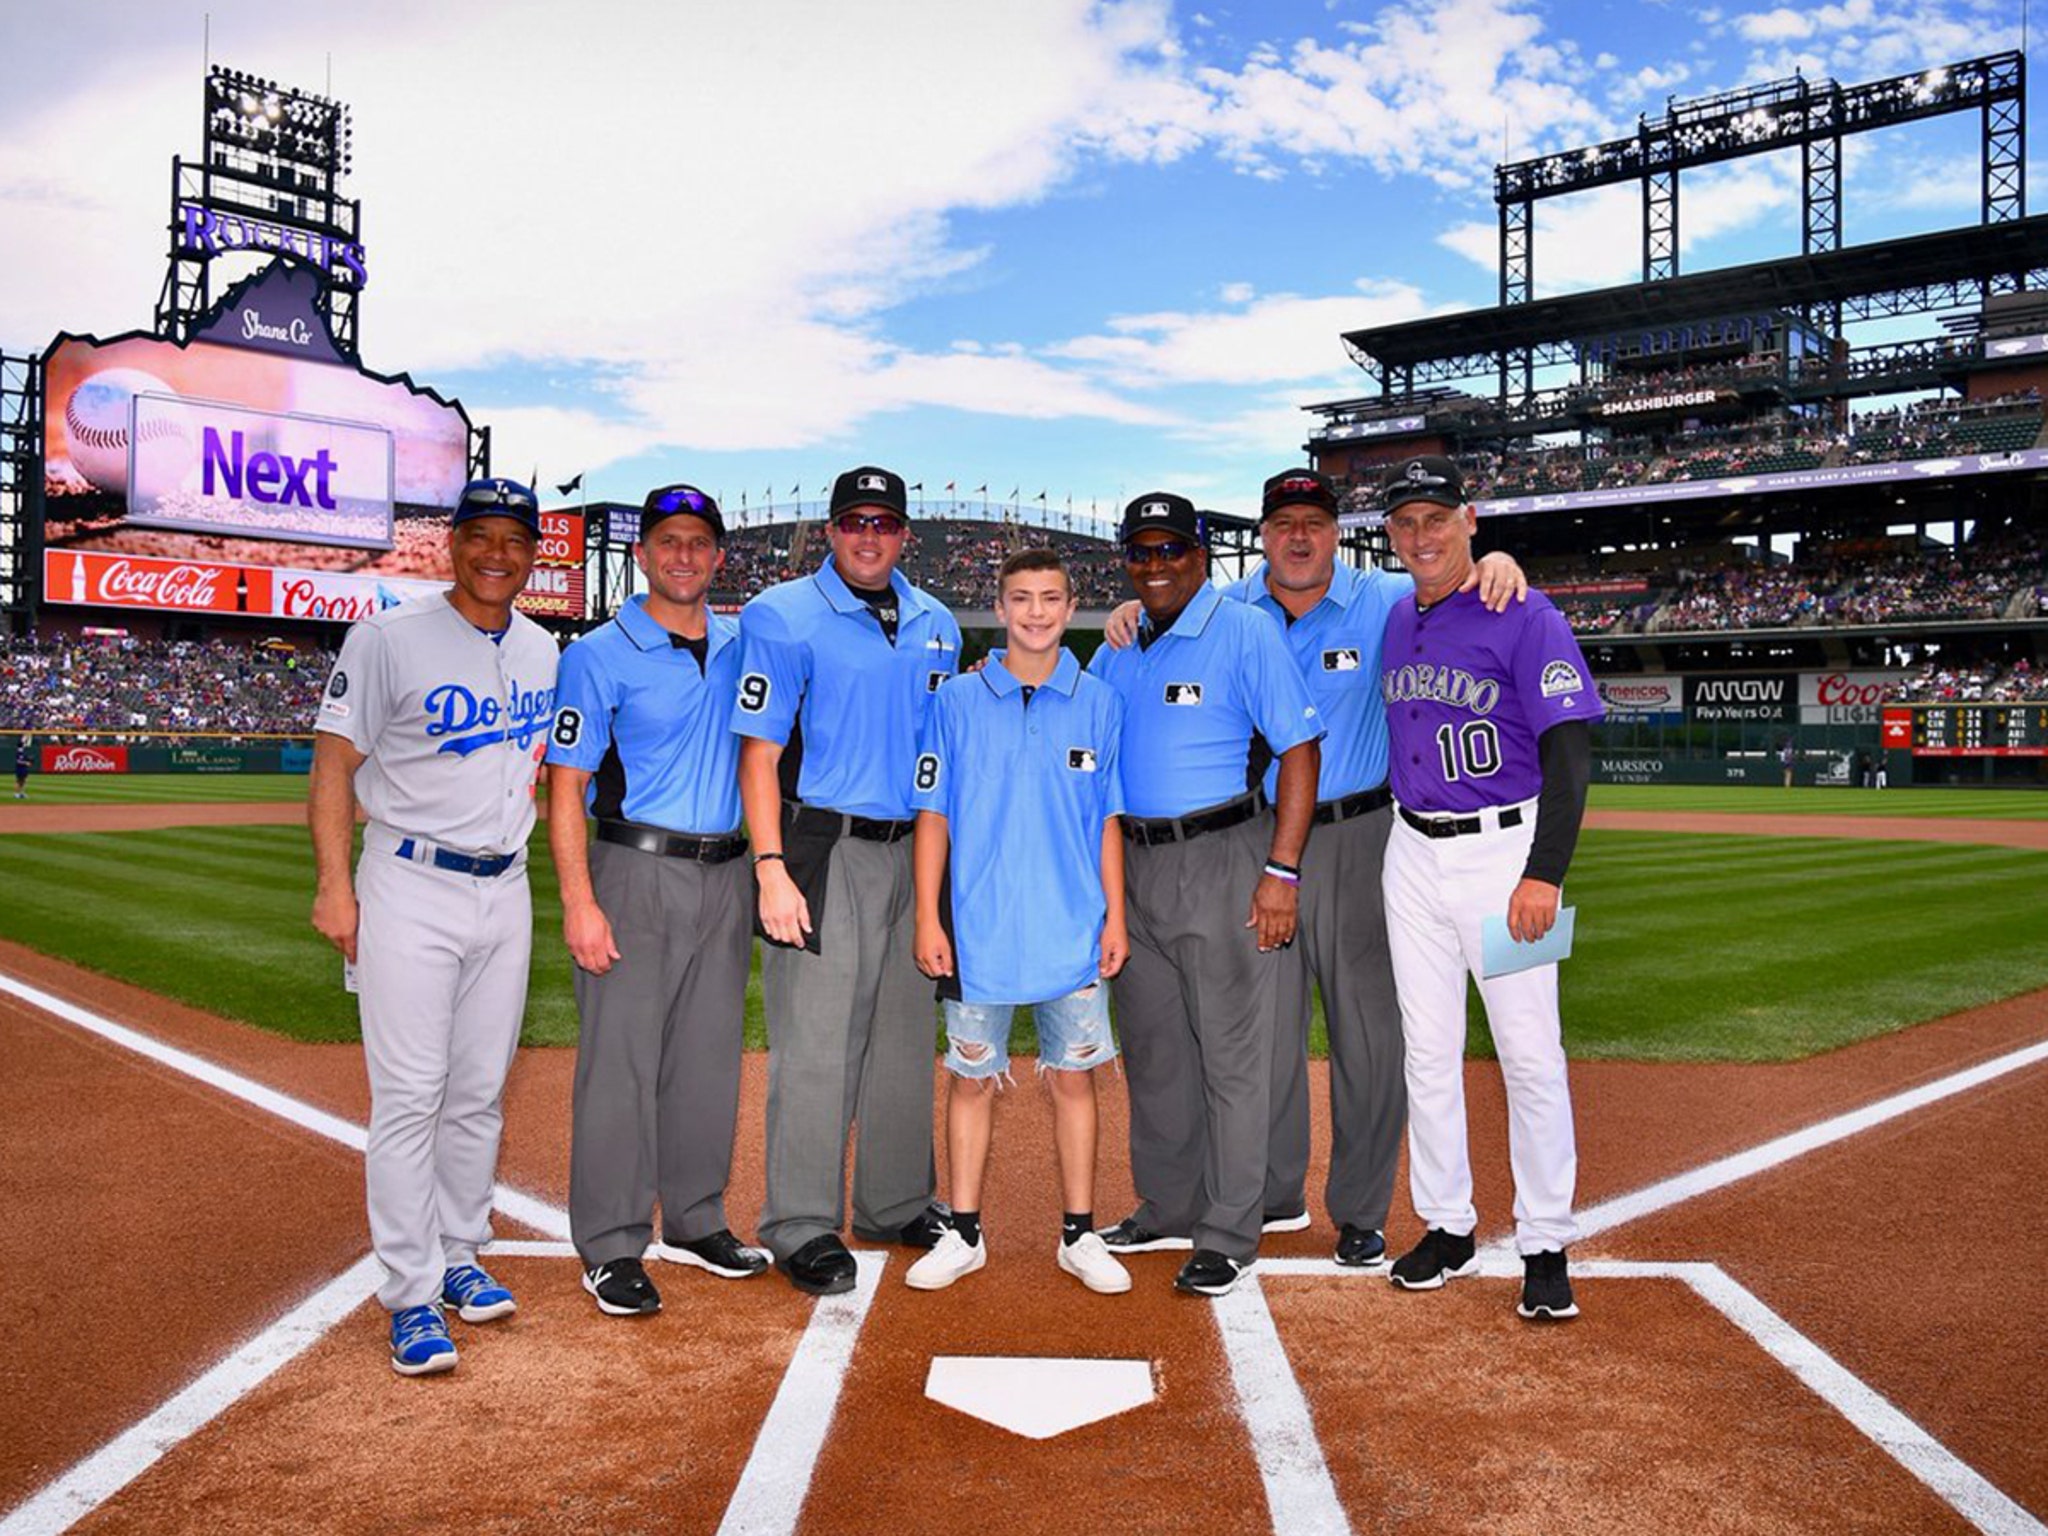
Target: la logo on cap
[1155,509]
[873,483]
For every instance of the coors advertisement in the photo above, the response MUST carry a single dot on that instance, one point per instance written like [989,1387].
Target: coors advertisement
[1761,697]
[1846,698]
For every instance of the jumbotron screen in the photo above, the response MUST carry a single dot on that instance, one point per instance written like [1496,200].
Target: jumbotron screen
[218,477]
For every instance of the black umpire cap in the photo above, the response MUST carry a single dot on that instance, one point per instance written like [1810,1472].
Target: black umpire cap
[871,487]
[677,500]
[1162,509]
[1426,477]
[1298,488]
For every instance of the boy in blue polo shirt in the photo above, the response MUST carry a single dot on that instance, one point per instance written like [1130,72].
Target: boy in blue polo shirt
[1017,781]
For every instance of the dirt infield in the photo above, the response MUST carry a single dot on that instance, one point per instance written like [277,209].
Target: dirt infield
[34,817]
[156,1222]
[1905,829]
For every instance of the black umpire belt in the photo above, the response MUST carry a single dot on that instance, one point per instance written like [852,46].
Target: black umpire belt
[1360,804]
[1149,832]
[815,819]
[672,845]
[486,866]
[1458,826]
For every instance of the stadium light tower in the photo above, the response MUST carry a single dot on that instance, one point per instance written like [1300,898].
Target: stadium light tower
[267,180]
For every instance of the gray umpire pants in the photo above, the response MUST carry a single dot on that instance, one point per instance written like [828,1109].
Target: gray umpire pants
[852,1035]
[1343,946]
[1195,1014]
[658,1058]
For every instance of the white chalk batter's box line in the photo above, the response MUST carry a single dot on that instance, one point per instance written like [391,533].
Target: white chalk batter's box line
[1301,1497]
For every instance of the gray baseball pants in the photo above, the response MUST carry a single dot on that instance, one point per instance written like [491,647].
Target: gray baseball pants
[658,1055]
[441,964]
[853,1037]
[1195,1015]
[1343,946]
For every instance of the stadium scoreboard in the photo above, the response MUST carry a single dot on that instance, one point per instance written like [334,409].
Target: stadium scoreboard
[1968,730]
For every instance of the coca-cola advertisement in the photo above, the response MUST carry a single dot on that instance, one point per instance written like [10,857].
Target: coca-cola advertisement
[78,759]
[190,586]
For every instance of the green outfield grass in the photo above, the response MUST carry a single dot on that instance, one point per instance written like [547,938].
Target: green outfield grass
[1754,800]
[1690,948]
[159,788]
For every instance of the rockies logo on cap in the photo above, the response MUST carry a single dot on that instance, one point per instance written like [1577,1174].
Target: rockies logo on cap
[873,483]
[1418,474]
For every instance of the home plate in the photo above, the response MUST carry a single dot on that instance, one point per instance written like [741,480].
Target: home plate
[1036,1398]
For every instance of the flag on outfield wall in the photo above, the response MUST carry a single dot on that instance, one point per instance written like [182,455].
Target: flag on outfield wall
[570,488]
[1039,497]
[917,487]
[981,490]
[949,485]
[797,489]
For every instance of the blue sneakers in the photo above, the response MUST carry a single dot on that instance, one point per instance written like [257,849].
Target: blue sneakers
[476,1297]
[420,1345]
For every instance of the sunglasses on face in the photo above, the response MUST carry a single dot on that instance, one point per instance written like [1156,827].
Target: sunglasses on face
[1165,551]
[851,523]
[683,498]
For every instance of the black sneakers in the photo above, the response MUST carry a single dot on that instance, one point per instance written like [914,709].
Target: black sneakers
[1360,1248]
[922,1230]
[721,1253]
[1546,1287]
[622,1289]
[1210,1273]
[822,1267]
[1128,1237]
[1440,1256]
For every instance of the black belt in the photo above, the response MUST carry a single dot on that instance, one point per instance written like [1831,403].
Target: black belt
[1353,805]
[1457,826]
[1178,829]
[487,866]
[672,845]
[811,818]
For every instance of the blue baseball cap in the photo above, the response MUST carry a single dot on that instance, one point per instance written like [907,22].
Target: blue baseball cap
[495,497]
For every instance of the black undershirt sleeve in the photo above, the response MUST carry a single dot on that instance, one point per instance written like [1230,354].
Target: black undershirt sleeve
[1566,753]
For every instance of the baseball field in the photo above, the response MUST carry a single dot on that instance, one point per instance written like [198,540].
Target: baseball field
[1810,1040]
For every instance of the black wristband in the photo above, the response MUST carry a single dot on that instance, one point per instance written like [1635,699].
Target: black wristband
[763,858]
[1283,869]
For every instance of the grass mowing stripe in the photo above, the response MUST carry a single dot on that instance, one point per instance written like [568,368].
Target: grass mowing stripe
[1753,800]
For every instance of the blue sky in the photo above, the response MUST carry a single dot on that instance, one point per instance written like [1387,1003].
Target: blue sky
[1064,247]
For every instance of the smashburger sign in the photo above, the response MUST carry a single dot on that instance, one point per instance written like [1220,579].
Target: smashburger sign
[85,759]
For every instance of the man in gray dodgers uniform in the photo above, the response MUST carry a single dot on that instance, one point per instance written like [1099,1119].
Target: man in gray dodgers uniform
[658,914]
[435,719]
[839,669]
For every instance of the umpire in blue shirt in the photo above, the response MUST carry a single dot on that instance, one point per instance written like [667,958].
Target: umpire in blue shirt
[657,913]
[1209,693]
[838,671]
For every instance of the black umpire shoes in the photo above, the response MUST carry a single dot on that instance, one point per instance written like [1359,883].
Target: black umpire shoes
[1209,1273]
[822,1267]
[922,1230]
[1360,1247]
[1127,1236]
[622,1289]
[721,1253]
[1440,1256]
[1546,1287]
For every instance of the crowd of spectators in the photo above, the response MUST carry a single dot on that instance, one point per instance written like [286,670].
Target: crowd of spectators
[124,686]
[1939,683]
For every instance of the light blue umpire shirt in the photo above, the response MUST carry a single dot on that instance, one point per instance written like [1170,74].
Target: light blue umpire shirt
[1025,786]
[1336,644]
[814,663]
[1193,700]
[633,711]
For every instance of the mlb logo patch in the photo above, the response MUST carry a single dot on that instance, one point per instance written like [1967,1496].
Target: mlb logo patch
[1081,759]
[1561,677]
[1155,509]
[1184,693]
[872,483]
[1344,659]
[933,681]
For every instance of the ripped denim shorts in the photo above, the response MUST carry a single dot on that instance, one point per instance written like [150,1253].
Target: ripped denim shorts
[1073,1034]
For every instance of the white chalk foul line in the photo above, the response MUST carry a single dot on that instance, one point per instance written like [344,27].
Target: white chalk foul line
[1947,1475]
[132,1452]
[777,1476]
[1299,1493]
[1722,1172]
[528,1210]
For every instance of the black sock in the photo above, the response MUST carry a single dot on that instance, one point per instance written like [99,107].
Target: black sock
[968,1225]
[1074,1225]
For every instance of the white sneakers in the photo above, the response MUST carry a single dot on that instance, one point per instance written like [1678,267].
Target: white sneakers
[1087,1259]
[948,1260]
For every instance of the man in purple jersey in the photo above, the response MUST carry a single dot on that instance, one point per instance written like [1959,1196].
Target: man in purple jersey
[1490,751]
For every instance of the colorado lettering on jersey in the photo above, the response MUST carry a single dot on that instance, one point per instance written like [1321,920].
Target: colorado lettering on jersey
[471,723]
[1441,685]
